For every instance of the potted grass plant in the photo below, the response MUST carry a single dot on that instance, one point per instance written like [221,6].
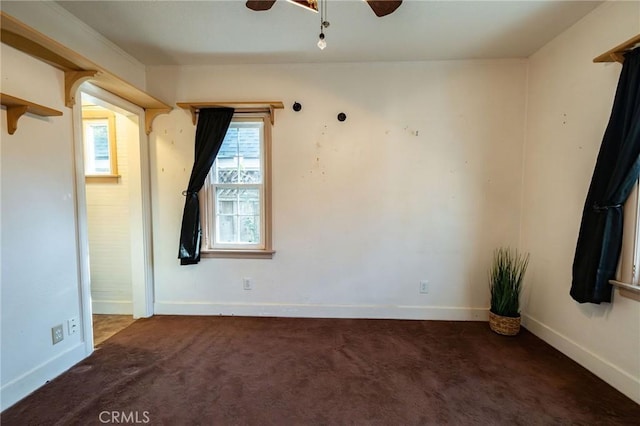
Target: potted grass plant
[505,281]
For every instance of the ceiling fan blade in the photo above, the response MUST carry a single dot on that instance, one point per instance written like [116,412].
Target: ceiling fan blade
[259,5]
[307,4]
[384,7]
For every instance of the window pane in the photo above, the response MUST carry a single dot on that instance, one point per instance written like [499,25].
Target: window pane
[226,194]
[100,142]
[249,229]
[226,207]
[228,160]
[227,170]
[249,141]
[249,148]
[250,201]
[97,147]
[251,176]
[227,229]
[227,201]
[238,215]
[238,160]
[229,148]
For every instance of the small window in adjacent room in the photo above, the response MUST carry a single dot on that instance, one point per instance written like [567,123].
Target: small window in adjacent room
[99,137]
[627,277]
[237,195]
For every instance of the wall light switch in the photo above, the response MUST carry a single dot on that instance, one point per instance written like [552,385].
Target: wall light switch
[72,326]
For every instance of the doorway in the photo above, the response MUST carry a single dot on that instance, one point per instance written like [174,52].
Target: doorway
[113,213]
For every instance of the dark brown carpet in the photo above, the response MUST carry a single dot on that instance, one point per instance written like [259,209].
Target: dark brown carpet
[283,371]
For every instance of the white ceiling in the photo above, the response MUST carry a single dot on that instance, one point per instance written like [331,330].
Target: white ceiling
[226,32]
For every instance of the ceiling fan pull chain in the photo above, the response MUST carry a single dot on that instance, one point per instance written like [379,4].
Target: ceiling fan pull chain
[322,6]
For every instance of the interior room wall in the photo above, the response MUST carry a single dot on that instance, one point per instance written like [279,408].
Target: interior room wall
[569,103]
[421,182]
[39,253]
[35,299]
[108,217]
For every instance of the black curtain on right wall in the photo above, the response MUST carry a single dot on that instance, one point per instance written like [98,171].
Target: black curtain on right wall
[615,173]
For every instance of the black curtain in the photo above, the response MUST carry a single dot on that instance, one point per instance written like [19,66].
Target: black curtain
[212,127]
[616,171]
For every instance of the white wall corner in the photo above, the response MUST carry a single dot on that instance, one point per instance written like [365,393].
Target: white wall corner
[619,379]
[523,161]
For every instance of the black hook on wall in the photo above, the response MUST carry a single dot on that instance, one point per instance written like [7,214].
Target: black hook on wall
[342,116]
[297,106]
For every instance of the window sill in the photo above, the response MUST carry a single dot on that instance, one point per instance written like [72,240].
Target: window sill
[238,254]
[102,178]
[627,290]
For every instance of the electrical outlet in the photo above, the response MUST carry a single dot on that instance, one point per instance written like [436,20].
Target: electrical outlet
[247,283]
[57,334]
[424,286]
[72,326]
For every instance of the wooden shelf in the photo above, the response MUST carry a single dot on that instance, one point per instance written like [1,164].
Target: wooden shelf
[76,67]
[617,53]
[239,106]
[17,107]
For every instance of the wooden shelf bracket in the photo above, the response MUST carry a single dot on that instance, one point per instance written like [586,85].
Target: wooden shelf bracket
[17,107]
[150,114]
[73,80]
[13,114]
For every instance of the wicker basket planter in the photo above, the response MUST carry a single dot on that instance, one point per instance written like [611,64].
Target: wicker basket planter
[505,283]
[507,326]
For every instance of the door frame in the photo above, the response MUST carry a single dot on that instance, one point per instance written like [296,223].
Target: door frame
[140,215]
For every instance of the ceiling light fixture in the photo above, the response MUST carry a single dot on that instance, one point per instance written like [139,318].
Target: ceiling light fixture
[322,43]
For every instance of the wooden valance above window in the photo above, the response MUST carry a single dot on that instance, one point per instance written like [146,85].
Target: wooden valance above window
[257,106]
[617,53]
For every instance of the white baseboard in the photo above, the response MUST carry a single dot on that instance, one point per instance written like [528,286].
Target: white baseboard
[324,311]
[112,307]
[619,379]
[17,389]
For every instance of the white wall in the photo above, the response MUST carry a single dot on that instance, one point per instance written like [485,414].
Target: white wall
[108,216]
[39,263]
[569,103]
[422,181]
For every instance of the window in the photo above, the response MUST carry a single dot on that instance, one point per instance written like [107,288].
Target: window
[99,137]
[237,194]
[627,277]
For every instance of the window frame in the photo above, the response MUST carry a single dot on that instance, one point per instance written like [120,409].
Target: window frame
[628,272]
[89,115]
[207,202]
